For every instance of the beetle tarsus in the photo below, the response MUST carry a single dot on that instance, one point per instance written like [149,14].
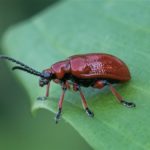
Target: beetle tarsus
[57,118]
[42,98]
[89,112]
[128,104]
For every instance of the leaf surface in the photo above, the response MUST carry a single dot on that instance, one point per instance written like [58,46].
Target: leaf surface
[118,27]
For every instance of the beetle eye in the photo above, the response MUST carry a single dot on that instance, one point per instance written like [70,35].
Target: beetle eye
[46,74]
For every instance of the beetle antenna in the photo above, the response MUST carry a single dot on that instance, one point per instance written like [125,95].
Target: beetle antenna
[27,70]
[25,67]
[13,60]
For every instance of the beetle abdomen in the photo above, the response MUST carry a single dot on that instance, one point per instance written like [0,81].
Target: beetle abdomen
[98,65]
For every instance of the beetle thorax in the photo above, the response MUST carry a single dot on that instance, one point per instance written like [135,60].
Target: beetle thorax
[61,68]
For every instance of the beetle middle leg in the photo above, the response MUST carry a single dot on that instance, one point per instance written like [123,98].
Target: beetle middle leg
[84,103]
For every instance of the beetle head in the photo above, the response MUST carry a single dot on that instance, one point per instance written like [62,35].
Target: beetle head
[45,78]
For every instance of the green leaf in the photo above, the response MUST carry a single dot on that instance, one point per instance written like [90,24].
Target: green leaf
[118,27]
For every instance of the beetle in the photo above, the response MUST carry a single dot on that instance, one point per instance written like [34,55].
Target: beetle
[95,70]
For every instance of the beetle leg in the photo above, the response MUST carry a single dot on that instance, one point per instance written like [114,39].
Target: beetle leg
[100,84]
[120,99]
[75,87]
[84,103]
[57,118]
[46,95]
[67,84]
[47,89]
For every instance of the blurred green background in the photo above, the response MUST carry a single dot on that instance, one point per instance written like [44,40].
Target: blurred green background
[18,128]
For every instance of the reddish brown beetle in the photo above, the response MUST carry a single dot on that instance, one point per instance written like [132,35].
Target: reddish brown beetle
[96,70]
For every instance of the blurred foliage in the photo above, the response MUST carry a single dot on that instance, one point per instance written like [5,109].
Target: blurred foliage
[14,11]
[18,128]
[117,27]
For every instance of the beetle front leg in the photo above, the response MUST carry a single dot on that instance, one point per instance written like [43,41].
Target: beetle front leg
[57,118]
[47,93]
[120,99]
[47,90]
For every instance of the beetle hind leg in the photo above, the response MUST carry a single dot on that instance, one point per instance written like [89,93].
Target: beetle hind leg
[120,99]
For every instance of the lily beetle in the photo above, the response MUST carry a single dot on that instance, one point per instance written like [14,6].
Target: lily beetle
[87,70]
